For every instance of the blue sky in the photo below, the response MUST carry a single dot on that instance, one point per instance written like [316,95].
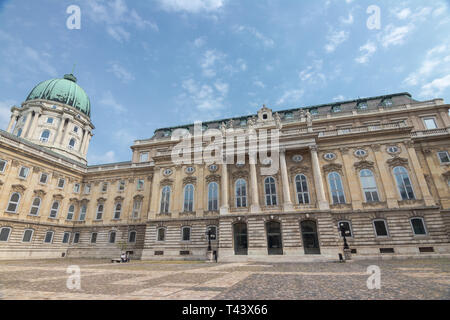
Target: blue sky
[158,63]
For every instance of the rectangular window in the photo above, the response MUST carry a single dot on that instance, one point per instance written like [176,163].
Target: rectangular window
[121,185]
[44,178]
[48,237]
[75,129]
[140,184]
[105,186]
[136,208]
[23,173]
[83,210]
[186,234]
[4,234]
[49,120]
[444,157]
[112,237]
[87,188]
[27,235]
[76,237]
[94,237]
[3,165]
[61,183]
[143,157]
[66,237]
[418,227]
[380,228]
[430,123]
[76,188]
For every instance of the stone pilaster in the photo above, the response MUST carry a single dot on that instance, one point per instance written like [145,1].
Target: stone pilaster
[388,185]
[224,189]
[287,205]
[318,181]
[355,190]
[417,168]
[254,207]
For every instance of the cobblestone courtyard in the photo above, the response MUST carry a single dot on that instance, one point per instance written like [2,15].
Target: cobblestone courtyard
[100,280]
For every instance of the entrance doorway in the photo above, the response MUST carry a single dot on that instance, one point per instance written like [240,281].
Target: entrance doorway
[240,239]
[310,238]
[274,242]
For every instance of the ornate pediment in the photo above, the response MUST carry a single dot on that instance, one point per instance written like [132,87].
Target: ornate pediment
[119,198]
[39,193]
[189,180]
[364,164]
[240,174]
[446,174]
[299,169]
[84,200]
[58,196]
[212,178]
[18,188]
[332,167]
[75,200]
[101,199]
[166,182]
[397,161]
[138,197]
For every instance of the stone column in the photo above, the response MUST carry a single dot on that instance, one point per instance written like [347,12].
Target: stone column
[155,195]
[318,181]
[66,131]
[60,128]
[83,141]
[388,183]
[86,145]
[224,189]
[254,207]
[26,126]
[12,121]
[417,168]
[287,205]
[355,190]
[445,118]
[33,125]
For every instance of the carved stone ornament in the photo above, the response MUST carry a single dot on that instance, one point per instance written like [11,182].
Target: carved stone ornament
[213,178]
[397,161]
[39,193]
[58,196]
[101,199]
[240,174]
[166,182]
[119,198]
[299,169]
[364,164]
[18,188]
[189,180]
[332,167]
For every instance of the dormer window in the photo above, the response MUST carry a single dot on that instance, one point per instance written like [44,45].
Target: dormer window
[243,122]
[387,103]
[166,133]
[314,111]
[362,106]
[336,109]
[288,115]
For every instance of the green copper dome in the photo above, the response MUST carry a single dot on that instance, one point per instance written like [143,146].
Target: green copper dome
[65,91]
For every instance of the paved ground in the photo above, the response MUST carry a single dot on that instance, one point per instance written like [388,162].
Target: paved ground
[100,280]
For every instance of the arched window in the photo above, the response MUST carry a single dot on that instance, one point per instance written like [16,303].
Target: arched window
[70,212]
[54,210]
[117,211]
[241,193]
[418,226]
[35,206]
[369,185]
[161,234]
[132,237]
[301,185]
[112,237]
[13,204]
[380,227]
[270,190]
[165,199]
[72,144]
[4,234]
[186,234]
[137,204]
[404,183]
[100,209]
[189,198]
[45,136]
[83,211]
[27,235]
[336,188]
[213,196]
[48,237]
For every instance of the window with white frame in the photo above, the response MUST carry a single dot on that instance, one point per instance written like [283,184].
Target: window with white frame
[444,157]
[3,165]
[27,235]
[418,226]
[83,211]
[112,237]
[165,199]
[301,187]
[66,237]
[161,234]
[48,237]
[76,188]
[87,188]
[404,184]
[23,172]
[94,237]
[336,188]
[75,129]
[61,183]
[50,120]
[132,237]
[35,206]
[70,212]
[369,185]
[188,198]
[104,186]
[380,227]
[13,203]
[270,191]
[137,205]
[44,178]
[54,210]
[72,143]
[117,211]
[186,234]
[140,184]
[143,157]
[347,227]
[4,234]
[241,193]
[45,136]
[430,123]
[76,237]
[100,209]
[121,185]
[213,196]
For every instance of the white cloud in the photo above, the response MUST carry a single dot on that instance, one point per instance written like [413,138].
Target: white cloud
[335,38]
[199,42]
[121,73]
[266,41]
[291,96]
[395,35]
[349,20]
[209,62]
[313,73]
[192,6]
[339,98]
[108,100]
[367,51]
[435,87]
[108,157]
[204,96]
[403,14]
[259,83]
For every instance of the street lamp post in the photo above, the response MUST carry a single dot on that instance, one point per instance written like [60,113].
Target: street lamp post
[345,233]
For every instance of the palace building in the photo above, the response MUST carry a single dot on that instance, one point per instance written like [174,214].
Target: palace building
[379,166]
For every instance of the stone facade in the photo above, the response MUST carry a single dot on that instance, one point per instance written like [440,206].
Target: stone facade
[110,208]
